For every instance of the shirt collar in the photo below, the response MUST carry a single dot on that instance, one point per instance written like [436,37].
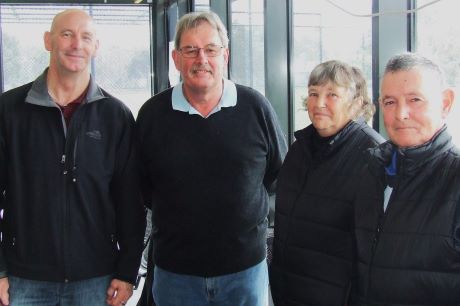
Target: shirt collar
[180,103]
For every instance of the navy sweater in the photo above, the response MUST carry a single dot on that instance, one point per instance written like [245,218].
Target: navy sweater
[208,181]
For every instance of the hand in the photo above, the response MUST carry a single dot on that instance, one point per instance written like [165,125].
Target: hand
[4,295]
[119,292]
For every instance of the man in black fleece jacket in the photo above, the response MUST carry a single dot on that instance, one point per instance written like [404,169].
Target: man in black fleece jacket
[73,222]
[211,150]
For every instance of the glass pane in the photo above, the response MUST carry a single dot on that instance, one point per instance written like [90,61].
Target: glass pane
[437,38]
[324,32]
[201,5]
[122,66]
[247,44]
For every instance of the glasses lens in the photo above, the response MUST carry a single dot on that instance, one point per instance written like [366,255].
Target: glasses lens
[209,50]
[212,50]
[190,51]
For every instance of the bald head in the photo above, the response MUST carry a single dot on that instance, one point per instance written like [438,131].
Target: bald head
[72,42]
[70,14]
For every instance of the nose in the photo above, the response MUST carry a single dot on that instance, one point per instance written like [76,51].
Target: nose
[76,42]
[321,101]
[402,111]
[202,57]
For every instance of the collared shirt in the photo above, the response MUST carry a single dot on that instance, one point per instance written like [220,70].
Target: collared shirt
[69,109]
[180,103]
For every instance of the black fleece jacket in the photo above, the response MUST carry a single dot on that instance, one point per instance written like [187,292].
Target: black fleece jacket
[72,207]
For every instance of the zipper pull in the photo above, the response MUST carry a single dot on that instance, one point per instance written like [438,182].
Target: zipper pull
[63,159]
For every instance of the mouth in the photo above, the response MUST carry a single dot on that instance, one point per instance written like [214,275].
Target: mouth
[404,128]
[320,115]
[77,56]
[201,70]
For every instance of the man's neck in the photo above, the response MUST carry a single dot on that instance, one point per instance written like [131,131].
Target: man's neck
[203,101]
[64,89]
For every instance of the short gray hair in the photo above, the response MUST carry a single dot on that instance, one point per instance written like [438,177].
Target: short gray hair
[194,19]
[408,61]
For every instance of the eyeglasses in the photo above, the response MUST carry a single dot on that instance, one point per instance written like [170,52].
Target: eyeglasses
[210,51]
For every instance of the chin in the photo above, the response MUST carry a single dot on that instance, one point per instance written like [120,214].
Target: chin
[407,143]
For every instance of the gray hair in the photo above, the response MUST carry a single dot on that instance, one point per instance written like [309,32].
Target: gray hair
[346,76]
[194,19]
[408,61]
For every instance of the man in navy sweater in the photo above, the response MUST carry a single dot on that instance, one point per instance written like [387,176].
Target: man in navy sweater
[211,151]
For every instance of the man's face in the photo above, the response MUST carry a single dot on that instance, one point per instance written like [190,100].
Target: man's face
[414,106]
[72,42]
[202,73]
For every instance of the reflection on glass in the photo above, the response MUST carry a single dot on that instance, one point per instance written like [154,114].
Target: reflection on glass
[122,65]
[247,43]
[437,38]
[324,32]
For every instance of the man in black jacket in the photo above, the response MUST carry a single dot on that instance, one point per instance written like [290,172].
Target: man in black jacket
[73,222]
[407,214]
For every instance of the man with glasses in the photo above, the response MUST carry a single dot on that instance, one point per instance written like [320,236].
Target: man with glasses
[211,151]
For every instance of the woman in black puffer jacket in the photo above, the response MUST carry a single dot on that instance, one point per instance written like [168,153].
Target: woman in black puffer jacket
[313,244]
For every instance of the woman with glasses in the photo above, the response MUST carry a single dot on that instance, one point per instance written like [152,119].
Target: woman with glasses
[313,244]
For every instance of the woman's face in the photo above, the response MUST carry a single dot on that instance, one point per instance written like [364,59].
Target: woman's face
[329,108]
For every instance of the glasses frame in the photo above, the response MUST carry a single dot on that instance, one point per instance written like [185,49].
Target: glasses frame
[197,50]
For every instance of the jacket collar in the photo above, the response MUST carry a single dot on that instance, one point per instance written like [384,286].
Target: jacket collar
[408,160]
[38,94]
[307,135]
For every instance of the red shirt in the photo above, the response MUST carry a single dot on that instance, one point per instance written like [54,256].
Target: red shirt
[69,109]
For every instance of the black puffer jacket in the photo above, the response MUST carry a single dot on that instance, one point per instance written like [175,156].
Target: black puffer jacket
[410,254]
[313,249]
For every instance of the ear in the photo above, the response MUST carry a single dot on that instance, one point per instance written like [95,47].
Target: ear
[448,97]
[226,56]
[47,40]
[356,107]
[96,48]
[176,57]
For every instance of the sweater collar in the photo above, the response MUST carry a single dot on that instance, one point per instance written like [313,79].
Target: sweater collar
[38,94]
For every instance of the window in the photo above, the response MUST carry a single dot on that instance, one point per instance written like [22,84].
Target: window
[122,66]
[324,32]
[437,38]
[201,5]
[247,43]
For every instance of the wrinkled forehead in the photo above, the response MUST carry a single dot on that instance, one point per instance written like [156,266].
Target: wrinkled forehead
[417,79]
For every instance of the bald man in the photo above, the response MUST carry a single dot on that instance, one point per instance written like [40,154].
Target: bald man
[73,221]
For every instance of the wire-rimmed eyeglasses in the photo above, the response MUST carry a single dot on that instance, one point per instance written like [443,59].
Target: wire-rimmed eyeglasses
[210,50]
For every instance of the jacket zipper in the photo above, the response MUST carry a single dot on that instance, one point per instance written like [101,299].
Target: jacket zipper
[378,231]
[63,162]
[71,137]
